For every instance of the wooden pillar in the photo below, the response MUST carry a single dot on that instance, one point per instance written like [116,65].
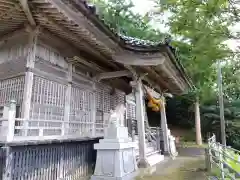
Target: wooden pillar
[27,95]
[11,121]
[67,105]
[141,126]
[93,109]
[164,126]
[198,123]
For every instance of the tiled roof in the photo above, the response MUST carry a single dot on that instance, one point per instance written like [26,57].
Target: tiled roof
[126,39]
[139,43]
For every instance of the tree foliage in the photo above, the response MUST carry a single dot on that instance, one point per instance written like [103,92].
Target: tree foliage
[202,27]
[118,15]
[180,113]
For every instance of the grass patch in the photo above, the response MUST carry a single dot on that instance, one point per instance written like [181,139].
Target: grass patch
[193,144]
[234,164]
[215,171]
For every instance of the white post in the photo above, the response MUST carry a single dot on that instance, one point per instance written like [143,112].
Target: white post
[164,127]
[93,110]
[27,95]
[141,126]
[11,120]
[65,125]
[220,156]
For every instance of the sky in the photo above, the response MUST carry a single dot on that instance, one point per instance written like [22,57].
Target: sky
[143,6]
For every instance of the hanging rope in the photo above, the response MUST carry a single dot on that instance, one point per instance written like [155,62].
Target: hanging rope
[153,103]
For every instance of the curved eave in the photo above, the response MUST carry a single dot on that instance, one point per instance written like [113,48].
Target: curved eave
[82,6]
[180,67]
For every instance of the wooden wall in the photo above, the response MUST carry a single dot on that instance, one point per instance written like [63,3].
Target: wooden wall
[50,83]
[12,67]
[49,95]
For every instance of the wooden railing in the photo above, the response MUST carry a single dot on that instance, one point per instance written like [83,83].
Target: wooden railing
[19,129]
[224,161]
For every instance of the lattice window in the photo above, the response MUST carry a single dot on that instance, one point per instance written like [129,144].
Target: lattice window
[99,123]
[48,99]
[104,103]
[80,112]
[77,100]
[11,89]
[106,99]
[117,98]
[48,92]
[131,111]
[99,99]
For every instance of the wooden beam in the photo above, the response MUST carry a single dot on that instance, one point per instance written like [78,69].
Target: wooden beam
[171,76]
[156,76]
[115,74]
[149,81]
[26,9]
[176,75]
[81,20]
[77,39]
[77,59]
[70,34]
[130,59]
[68,49]
[98,69]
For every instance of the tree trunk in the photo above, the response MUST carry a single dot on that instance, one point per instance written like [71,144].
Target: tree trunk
[198,123]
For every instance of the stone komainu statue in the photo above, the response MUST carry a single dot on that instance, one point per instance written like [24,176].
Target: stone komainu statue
[117,115]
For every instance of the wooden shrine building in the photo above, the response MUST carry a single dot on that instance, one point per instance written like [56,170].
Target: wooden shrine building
[61,72]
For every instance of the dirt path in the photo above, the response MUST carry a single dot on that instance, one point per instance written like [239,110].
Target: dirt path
[184,167]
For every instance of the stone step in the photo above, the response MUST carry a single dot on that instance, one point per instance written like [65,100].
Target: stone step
[148,150]
[155,158]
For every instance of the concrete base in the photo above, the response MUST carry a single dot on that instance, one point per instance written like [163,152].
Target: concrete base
[115,156]
[143,163]
[155,159]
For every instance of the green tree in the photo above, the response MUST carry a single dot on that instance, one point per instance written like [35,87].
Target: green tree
[203,27]
[118,15]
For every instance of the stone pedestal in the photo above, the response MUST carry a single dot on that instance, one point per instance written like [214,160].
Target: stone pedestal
[115,156]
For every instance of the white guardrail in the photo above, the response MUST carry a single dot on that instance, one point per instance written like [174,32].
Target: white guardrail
[223,161]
